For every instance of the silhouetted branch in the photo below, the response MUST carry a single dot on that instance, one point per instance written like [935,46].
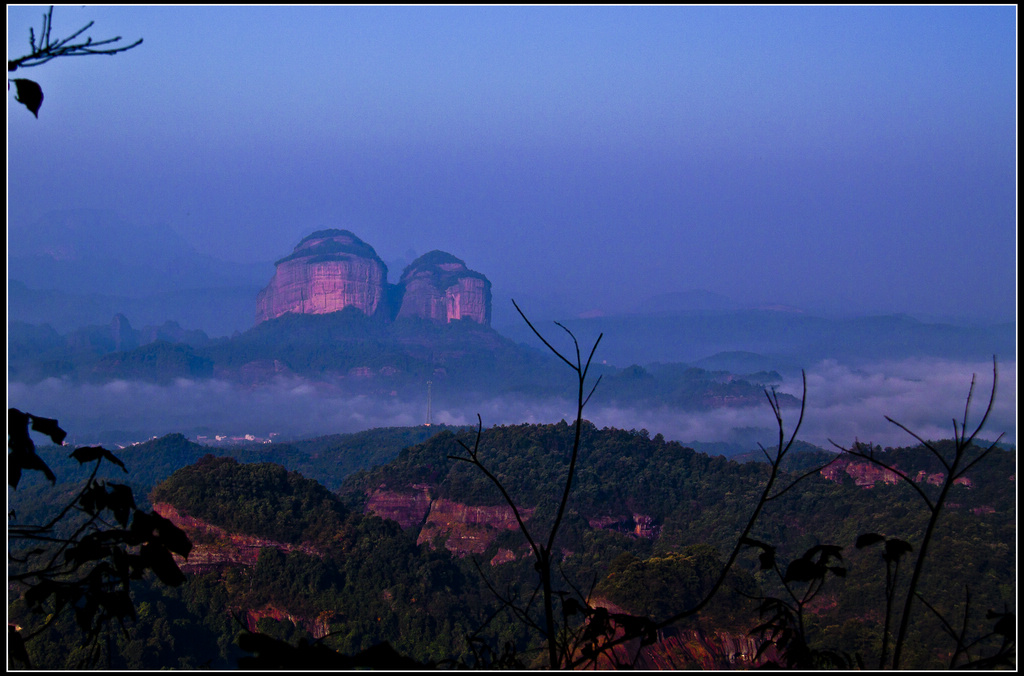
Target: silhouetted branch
[474,459]
[954,471]
[47,50]
[743,540]
[543,551]
[891,468]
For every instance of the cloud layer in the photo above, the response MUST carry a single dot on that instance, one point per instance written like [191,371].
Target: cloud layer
[844,403]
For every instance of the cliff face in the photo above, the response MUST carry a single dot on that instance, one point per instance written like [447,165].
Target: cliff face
[328,271]
[439,287]
[866,474]
[679,648]
[463,529]
[214,547]
[331,270]
[468,529]
[693,648]
[408,509]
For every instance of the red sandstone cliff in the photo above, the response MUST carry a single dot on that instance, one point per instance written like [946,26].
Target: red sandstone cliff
[408,509]
[214,547]
[328,271]
[468,529]
[439,287]
[680,648]
[865,474]
[331,270]
[463,529]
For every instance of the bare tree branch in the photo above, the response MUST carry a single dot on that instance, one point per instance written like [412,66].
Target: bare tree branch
[47,50]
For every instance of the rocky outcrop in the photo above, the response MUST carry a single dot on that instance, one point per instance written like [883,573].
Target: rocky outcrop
[214,547]
[318,626]
[696,649]
[439,287]
[124,336]
[638,525]
[683,648]
[866,474]
[328,271]
[466,529]
[331,270]
[172,332]
[408,509]
[463,529]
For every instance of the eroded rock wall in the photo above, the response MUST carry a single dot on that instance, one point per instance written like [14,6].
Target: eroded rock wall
[331,270]
[328,271]
[439,287]
[214,547]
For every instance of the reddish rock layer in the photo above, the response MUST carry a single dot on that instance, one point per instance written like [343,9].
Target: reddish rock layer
[866,474]
[408,509]
[328,271]
[678,648]
[439,287]
[214,547]
[468,529]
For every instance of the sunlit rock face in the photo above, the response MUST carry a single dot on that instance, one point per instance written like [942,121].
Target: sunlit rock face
[328,271]
[439,287]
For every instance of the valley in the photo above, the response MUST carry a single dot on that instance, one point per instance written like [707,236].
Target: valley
[392,555]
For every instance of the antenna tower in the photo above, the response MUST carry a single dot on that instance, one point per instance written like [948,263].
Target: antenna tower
[428,403]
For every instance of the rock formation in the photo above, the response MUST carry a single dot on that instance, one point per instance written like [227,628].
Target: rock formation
[331,270]
[438,286]
[214,547]
[464,529]
[328,271]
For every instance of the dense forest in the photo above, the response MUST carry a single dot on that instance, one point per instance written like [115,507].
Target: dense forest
[647,530]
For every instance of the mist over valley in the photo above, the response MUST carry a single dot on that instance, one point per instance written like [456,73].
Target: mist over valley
[690,366]
[490,337]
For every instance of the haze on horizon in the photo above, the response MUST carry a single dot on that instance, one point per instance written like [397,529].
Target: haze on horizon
[843,158]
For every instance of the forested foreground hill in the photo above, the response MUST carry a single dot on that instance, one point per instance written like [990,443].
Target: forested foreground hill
[649,524]
[665,499]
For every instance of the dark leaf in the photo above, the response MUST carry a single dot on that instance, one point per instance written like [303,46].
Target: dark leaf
[868,539]
[20,459]
[162,563]
[380,656]
[36,595]
[803,570]
[121,502]
[894,549]
[1004,625]
[170,536]
[48,426]
[767,555]
[755,543]
[29,93]
[826,551]
[117,604]
[23,451]
[86,454]
[93,499]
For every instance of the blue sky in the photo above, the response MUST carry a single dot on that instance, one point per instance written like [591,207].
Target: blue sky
[859,158]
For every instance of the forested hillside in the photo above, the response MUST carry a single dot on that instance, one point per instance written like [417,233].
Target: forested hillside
[648,527]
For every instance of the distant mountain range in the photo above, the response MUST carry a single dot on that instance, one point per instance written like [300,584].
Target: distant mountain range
[81,268]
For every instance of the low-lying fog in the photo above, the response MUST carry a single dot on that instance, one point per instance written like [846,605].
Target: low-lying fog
[843,403]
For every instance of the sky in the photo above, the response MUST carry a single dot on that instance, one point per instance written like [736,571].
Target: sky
[841,157]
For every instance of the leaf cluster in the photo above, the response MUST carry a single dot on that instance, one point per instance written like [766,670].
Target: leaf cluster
[84,557]
[46,49]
